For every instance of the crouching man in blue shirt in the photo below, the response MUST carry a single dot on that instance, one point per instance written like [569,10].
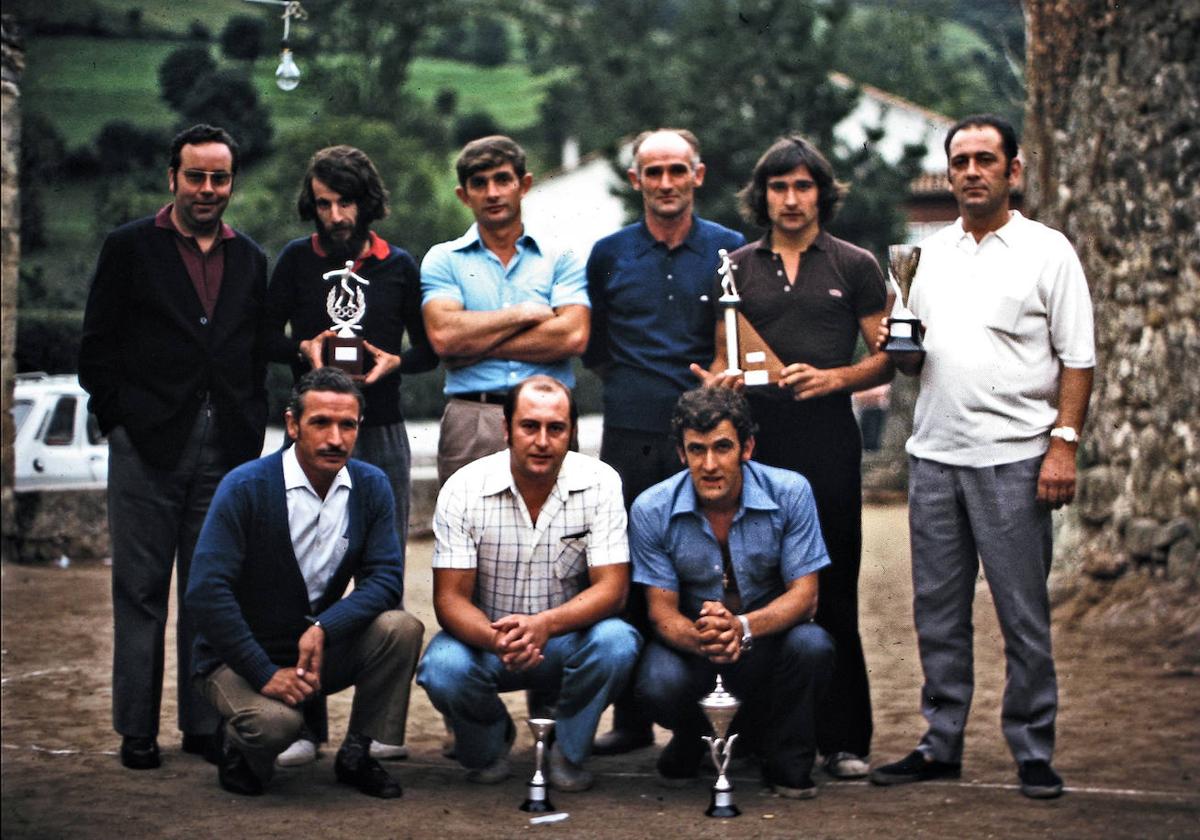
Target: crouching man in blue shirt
[284,536]
[729,552]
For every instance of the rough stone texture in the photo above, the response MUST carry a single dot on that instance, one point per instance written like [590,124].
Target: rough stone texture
[12,63]
[42,535]
[1112,141]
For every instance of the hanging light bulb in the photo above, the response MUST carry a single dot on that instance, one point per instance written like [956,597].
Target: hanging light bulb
[287,74]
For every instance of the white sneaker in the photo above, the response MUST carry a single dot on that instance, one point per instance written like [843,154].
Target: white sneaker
[845,765]
[384,752]
[301,752]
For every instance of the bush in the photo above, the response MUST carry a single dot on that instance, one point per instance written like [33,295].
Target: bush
[242,38]
[229,99]
[474,125]
[48,340]
[180,71]
[122,147]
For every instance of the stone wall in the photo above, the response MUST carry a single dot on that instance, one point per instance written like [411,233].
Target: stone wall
[12,63]
[1112,142]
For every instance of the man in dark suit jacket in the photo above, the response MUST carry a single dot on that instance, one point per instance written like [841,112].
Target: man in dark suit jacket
[172,355]
[283,538]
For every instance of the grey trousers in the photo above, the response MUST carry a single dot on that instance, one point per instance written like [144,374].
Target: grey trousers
[379,663]
[387,447]
[469,431]
[154,520]
[959,516]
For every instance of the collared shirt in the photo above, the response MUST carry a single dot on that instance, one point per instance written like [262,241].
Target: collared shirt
[523,567]
[465,271]
[815,319]
[651,318]
[775,539]
[205,268]
[317,526]
[1000,315]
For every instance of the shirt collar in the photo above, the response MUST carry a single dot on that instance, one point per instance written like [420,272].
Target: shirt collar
[754,495]
[379,247]
[572,476]
[162,219]
[691,241]
[471,240]
[1007,233]
[294,477]
[821,243]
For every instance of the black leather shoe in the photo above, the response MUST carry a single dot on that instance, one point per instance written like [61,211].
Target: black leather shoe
[233,771]
[915,767]
[140,753]
[618,741]
[207,747]
[367,775]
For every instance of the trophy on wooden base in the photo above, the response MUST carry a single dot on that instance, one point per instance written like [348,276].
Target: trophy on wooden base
[904,328]
[346,305]
[746,353]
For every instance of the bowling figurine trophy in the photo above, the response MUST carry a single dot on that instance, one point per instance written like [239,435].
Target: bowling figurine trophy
[746,353]
[346,305]
[904,328]
[720,707]
[538,802]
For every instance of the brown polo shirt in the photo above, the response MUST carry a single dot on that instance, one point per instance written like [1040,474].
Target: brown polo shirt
[206,270]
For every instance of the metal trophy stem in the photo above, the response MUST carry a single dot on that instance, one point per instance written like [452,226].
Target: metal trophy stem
[538,801]
[730,301]
[719,707]
[904,328]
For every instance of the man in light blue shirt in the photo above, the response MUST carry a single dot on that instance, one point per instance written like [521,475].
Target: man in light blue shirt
[728,552]
[500,304]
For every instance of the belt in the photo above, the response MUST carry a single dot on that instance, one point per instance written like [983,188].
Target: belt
[489,397]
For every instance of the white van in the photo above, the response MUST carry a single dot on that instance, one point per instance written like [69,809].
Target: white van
[58,445]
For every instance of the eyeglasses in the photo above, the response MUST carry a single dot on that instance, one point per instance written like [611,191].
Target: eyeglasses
[197,177]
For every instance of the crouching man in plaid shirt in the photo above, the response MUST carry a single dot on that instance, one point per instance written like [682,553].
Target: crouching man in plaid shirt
[531,569]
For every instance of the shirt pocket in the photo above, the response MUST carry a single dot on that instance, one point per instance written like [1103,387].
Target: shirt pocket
[572,559]
[1005,313]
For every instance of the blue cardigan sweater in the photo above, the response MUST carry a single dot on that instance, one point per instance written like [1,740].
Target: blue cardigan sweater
[245,591]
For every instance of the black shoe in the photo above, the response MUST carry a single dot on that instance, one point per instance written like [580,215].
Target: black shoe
[1039,781]
[367,775]
[619,741]
[140,753]
[915,767]
[679,762]
[233,771]
[207,747]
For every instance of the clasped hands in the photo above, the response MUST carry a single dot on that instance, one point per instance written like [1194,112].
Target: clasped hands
[295,685]
[384,362]
[519,641]
[719,633]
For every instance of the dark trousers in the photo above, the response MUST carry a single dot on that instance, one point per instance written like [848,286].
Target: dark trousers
[780,682]
[820,440]
[154,519]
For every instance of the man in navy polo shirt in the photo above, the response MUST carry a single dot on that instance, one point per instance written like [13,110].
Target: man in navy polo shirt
[649,285]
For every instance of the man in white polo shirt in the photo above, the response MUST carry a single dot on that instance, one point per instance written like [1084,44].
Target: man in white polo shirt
[1005,382]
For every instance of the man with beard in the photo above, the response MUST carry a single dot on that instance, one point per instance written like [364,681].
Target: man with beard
[343,195]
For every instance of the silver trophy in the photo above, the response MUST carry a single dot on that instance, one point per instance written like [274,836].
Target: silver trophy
[719,707]
[346,305]
[904,328]
[729,300]
[538,802]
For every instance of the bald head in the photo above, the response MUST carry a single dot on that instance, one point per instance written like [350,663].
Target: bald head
[666,170]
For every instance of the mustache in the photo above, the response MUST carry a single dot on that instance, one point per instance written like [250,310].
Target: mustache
[333,450]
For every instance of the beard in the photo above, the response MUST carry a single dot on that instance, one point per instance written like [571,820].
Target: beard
[339,248]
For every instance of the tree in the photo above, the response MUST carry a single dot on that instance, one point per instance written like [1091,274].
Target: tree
[242,38]
[42,152]
[181,70]
[122,146]
[228,98]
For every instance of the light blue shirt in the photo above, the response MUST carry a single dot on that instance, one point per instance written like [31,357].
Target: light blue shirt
[775,539]
[465,271]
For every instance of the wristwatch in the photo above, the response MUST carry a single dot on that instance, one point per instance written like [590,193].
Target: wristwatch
[1065,433]
[747,637]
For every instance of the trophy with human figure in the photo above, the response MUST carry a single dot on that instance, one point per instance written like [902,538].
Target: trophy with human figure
[346,305]
[747,354]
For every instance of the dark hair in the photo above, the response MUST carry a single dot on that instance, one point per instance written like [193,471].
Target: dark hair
[703,409]
[202,133]
[1008,134]
[322,379]
[687,136]
[538,382]
[489,153]
[348,172]
[786,154]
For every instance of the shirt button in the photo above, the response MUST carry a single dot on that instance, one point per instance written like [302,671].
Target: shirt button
[670,297]
[670,276]
[787,288]
[780,273]
[203,321]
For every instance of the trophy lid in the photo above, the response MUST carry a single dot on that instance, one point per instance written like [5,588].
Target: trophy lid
[719,707]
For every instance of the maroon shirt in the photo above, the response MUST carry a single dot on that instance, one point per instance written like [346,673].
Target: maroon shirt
[207,270]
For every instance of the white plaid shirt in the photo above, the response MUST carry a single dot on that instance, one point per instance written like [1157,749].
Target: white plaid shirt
[482,523]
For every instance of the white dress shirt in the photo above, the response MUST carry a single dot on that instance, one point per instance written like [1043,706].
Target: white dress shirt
[318,526]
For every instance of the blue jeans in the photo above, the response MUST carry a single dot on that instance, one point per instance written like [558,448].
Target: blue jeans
[586,668]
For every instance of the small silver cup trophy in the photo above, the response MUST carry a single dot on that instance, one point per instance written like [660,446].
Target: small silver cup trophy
[346,305]
[904,328]
[720,707]
[538,802]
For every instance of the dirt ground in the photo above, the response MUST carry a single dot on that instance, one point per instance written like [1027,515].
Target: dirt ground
[1129,743]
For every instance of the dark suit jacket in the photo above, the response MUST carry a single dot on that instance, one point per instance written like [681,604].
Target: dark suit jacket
[149,353]
[245,591]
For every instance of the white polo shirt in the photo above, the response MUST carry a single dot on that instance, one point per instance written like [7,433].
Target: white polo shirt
[318,526]
[1000,316]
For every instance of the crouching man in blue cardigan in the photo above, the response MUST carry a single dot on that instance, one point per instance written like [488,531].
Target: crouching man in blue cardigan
[284,536]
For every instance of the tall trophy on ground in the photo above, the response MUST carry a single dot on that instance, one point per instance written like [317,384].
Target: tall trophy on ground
[538,801]
[746,353]
[719,707]
[346,305]
[904,328]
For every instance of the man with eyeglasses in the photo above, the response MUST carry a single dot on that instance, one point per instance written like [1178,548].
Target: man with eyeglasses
[172,355]
[649,284]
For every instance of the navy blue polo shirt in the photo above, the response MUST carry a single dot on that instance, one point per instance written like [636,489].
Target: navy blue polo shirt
[651,317]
